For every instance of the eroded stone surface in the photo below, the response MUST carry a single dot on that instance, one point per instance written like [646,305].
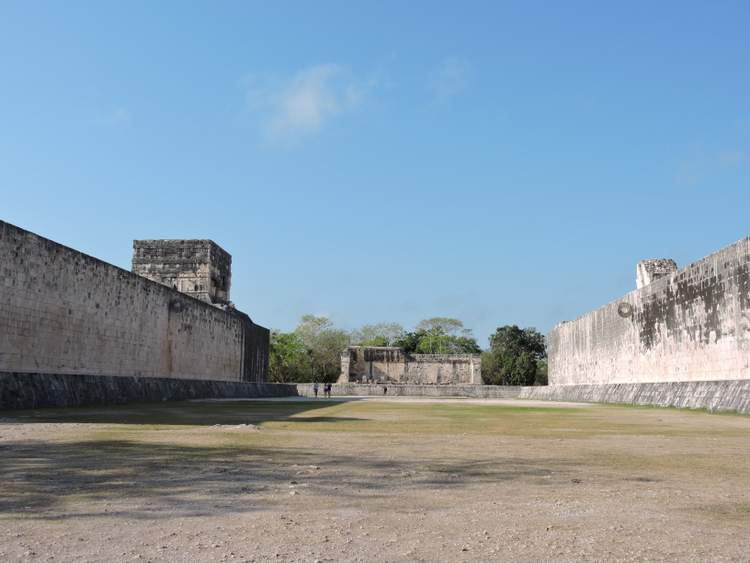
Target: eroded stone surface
[64,312]
[376,364]
[690,325]
[199,268]
[651,270]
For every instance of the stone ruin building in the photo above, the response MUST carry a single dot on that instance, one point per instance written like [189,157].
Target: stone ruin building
[387,364]
[648,271]
[690,324]
[65,313]
[199,268]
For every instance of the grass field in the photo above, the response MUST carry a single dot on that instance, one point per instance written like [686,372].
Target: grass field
[373,480]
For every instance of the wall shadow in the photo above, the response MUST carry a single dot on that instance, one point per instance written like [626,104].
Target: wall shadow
[188,413]
[121,478]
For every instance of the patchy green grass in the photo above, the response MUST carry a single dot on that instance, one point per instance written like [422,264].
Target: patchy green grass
[160,451]
[389,417]
[677,409]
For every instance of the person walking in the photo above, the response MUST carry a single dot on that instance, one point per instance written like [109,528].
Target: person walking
[315,389]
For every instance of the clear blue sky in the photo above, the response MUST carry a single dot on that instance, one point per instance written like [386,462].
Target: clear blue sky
[499,162]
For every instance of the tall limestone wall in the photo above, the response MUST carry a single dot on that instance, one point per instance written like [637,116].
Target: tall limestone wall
[391,364]
[714,396]
[63,312]
[37,390]
[689,325]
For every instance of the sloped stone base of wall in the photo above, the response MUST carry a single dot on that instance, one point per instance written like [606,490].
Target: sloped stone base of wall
[714,396]
[376,390]
[33,390]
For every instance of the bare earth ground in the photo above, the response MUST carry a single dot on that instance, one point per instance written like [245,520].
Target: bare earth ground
[373,480]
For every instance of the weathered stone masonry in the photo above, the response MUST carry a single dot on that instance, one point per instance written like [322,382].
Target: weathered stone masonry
[686,325]
[376,364]
[63,312]
[199,268]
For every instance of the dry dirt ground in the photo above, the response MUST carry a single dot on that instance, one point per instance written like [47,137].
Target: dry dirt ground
[373,480]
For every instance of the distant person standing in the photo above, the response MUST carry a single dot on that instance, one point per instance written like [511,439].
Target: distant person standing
[315,389]
[327,390]
[385,389]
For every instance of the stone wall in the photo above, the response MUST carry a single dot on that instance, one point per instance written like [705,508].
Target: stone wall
[257,343]
[715,396]
[31,391]
[199,268]
[391,364]
[399,390]
[63,312]
[690,325]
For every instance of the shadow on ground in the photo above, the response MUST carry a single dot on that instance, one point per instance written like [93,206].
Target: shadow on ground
[181,413]
[54,481]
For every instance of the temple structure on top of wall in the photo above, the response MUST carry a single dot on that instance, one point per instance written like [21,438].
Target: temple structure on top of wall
[691,324]
[199,268]
[384,364]
[63,312]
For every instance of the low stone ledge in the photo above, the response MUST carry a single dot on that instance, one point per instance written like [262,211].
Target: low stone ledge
[34,390]
[714,396]
[407,390]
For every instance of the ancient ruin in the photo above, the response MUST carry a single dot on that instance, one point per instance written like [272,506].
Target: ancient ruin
[383,364]
[678,325]
[76,330]
[199,268]
[64,312]
[648,271]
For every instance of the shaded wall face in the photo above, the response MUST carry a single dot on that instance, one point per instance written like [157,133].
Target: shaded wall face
[257,343]
[690,326]
[442,370]
[372,364]
[365,364]
[64,312]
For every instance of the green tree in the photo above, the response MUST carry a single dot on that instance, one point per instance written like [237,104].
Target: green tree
[409,341]
[312,352]
[441,325]
[324,345]
[444,335]
[379,334]
[288,360]
[541,373]
[514,357]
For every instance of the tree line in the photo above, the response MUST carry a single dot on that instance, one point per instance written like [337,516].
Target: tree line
[312,351]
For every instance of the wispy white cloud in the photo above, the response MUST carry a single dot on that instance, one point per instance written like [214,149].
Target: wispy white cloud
[451,77]
[293,107]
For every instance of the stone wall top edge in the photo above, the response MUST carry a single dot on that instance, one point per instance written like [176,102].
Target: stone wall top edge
[658,284]
[360,347]
[127,273]
[148,377]
[424,385]
[208,243]
[414,356]
[427,357]
[170,241]
[681,382]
